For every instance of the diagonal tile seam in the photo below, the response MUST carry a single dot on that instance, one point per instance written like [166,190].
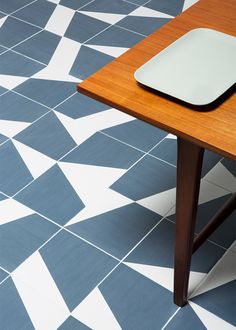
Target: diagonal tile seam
[165,325]
[21,7]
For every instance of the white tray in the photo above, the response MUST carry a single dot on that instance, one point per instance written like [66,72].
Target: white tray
[197,68]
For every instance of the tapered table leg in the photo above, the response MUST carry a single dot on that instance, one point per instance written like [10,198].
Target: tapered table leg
[189,167]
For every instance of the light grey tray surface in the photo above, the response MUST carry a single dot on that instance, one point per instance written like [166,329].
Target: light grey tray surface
[197,68]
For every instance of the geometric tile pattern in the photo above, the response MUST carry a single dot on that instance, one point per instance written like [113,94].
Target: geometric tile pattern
[87,193]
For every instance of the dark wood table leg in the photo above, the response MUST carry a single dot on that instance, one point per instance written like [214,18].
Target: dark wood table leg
[189,166]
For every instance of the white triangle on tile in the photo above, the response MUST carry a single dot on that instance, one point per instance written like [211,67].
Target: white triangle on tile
[105,17]
[60,20]
[171,136]
[210,320]
[36,162]
[164,276]
[112,51]
[61,62]
[188,3]
[222,177]
[147,12]
[10,128]
[11,210]
[2,20]
[10,82]
[94,312]
[160,203]
[98,199]
[55,1]
[40,294]
[223,272]
[82,128]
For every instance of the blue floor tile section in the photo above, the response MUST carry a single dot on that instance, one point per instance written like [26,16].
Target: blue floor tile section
[87,192]
[148,177]
[52,196]
[11,305]
[74,263]
[48,136]
[8,35]
[14,174]
[40,47]
[100,150]
[10,103]
[133,133]
[12,63]
[80,105]
[20,238]
[117,231]
[131,296]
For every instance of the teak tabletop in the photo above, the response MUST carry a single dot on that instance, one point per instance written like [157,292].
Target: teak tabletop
[212,127]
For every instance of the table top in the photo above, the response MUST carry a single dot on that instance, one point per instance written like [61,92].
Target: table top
[212,127]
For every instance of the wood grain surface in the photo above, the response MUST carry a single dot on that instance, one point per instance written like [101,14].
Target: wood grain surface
[212,127]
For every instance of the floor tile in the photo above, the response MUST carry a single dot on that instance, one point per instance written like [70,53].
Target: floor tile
[124,288]
[134,132]
[88,61]
[3,275]
[15,64]
[107,6]
[72,323]
[171,7]
[226,233]
[10,6]
[74,4]
[2,138]
[14,174]
[100,150]
[47,92]
[40,47]
[37,13]
[48,136]
[83,27]
[148,177]
[2,90]
[116,37]
[21,237]
[47,195]
[167,150]
[80,105]
[72,262]
[10,104]
[2,49]
[186,318]
[119,230]
[157,264]
[143,25]
[8,35]
[12,305]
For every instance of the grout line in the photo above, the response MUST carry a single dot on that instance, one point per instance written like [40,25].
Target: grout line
[24,21]
[127,144]
[1,144]
[28,98]
[6,271]
[67,98]
[85,5]
[5,279]
[178,309]
[30,58]
[129,30]
[23,7]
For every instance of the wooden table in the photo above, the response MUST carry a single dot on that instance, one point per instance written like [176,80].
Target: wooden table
[212,127]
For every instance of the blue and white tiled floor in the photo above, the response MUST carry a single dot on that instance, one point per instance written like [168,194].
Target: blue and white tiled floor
[87,193]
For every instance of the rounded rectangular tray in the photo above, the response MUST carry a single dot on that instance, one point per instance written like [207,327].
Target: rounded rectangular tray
[197,68]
